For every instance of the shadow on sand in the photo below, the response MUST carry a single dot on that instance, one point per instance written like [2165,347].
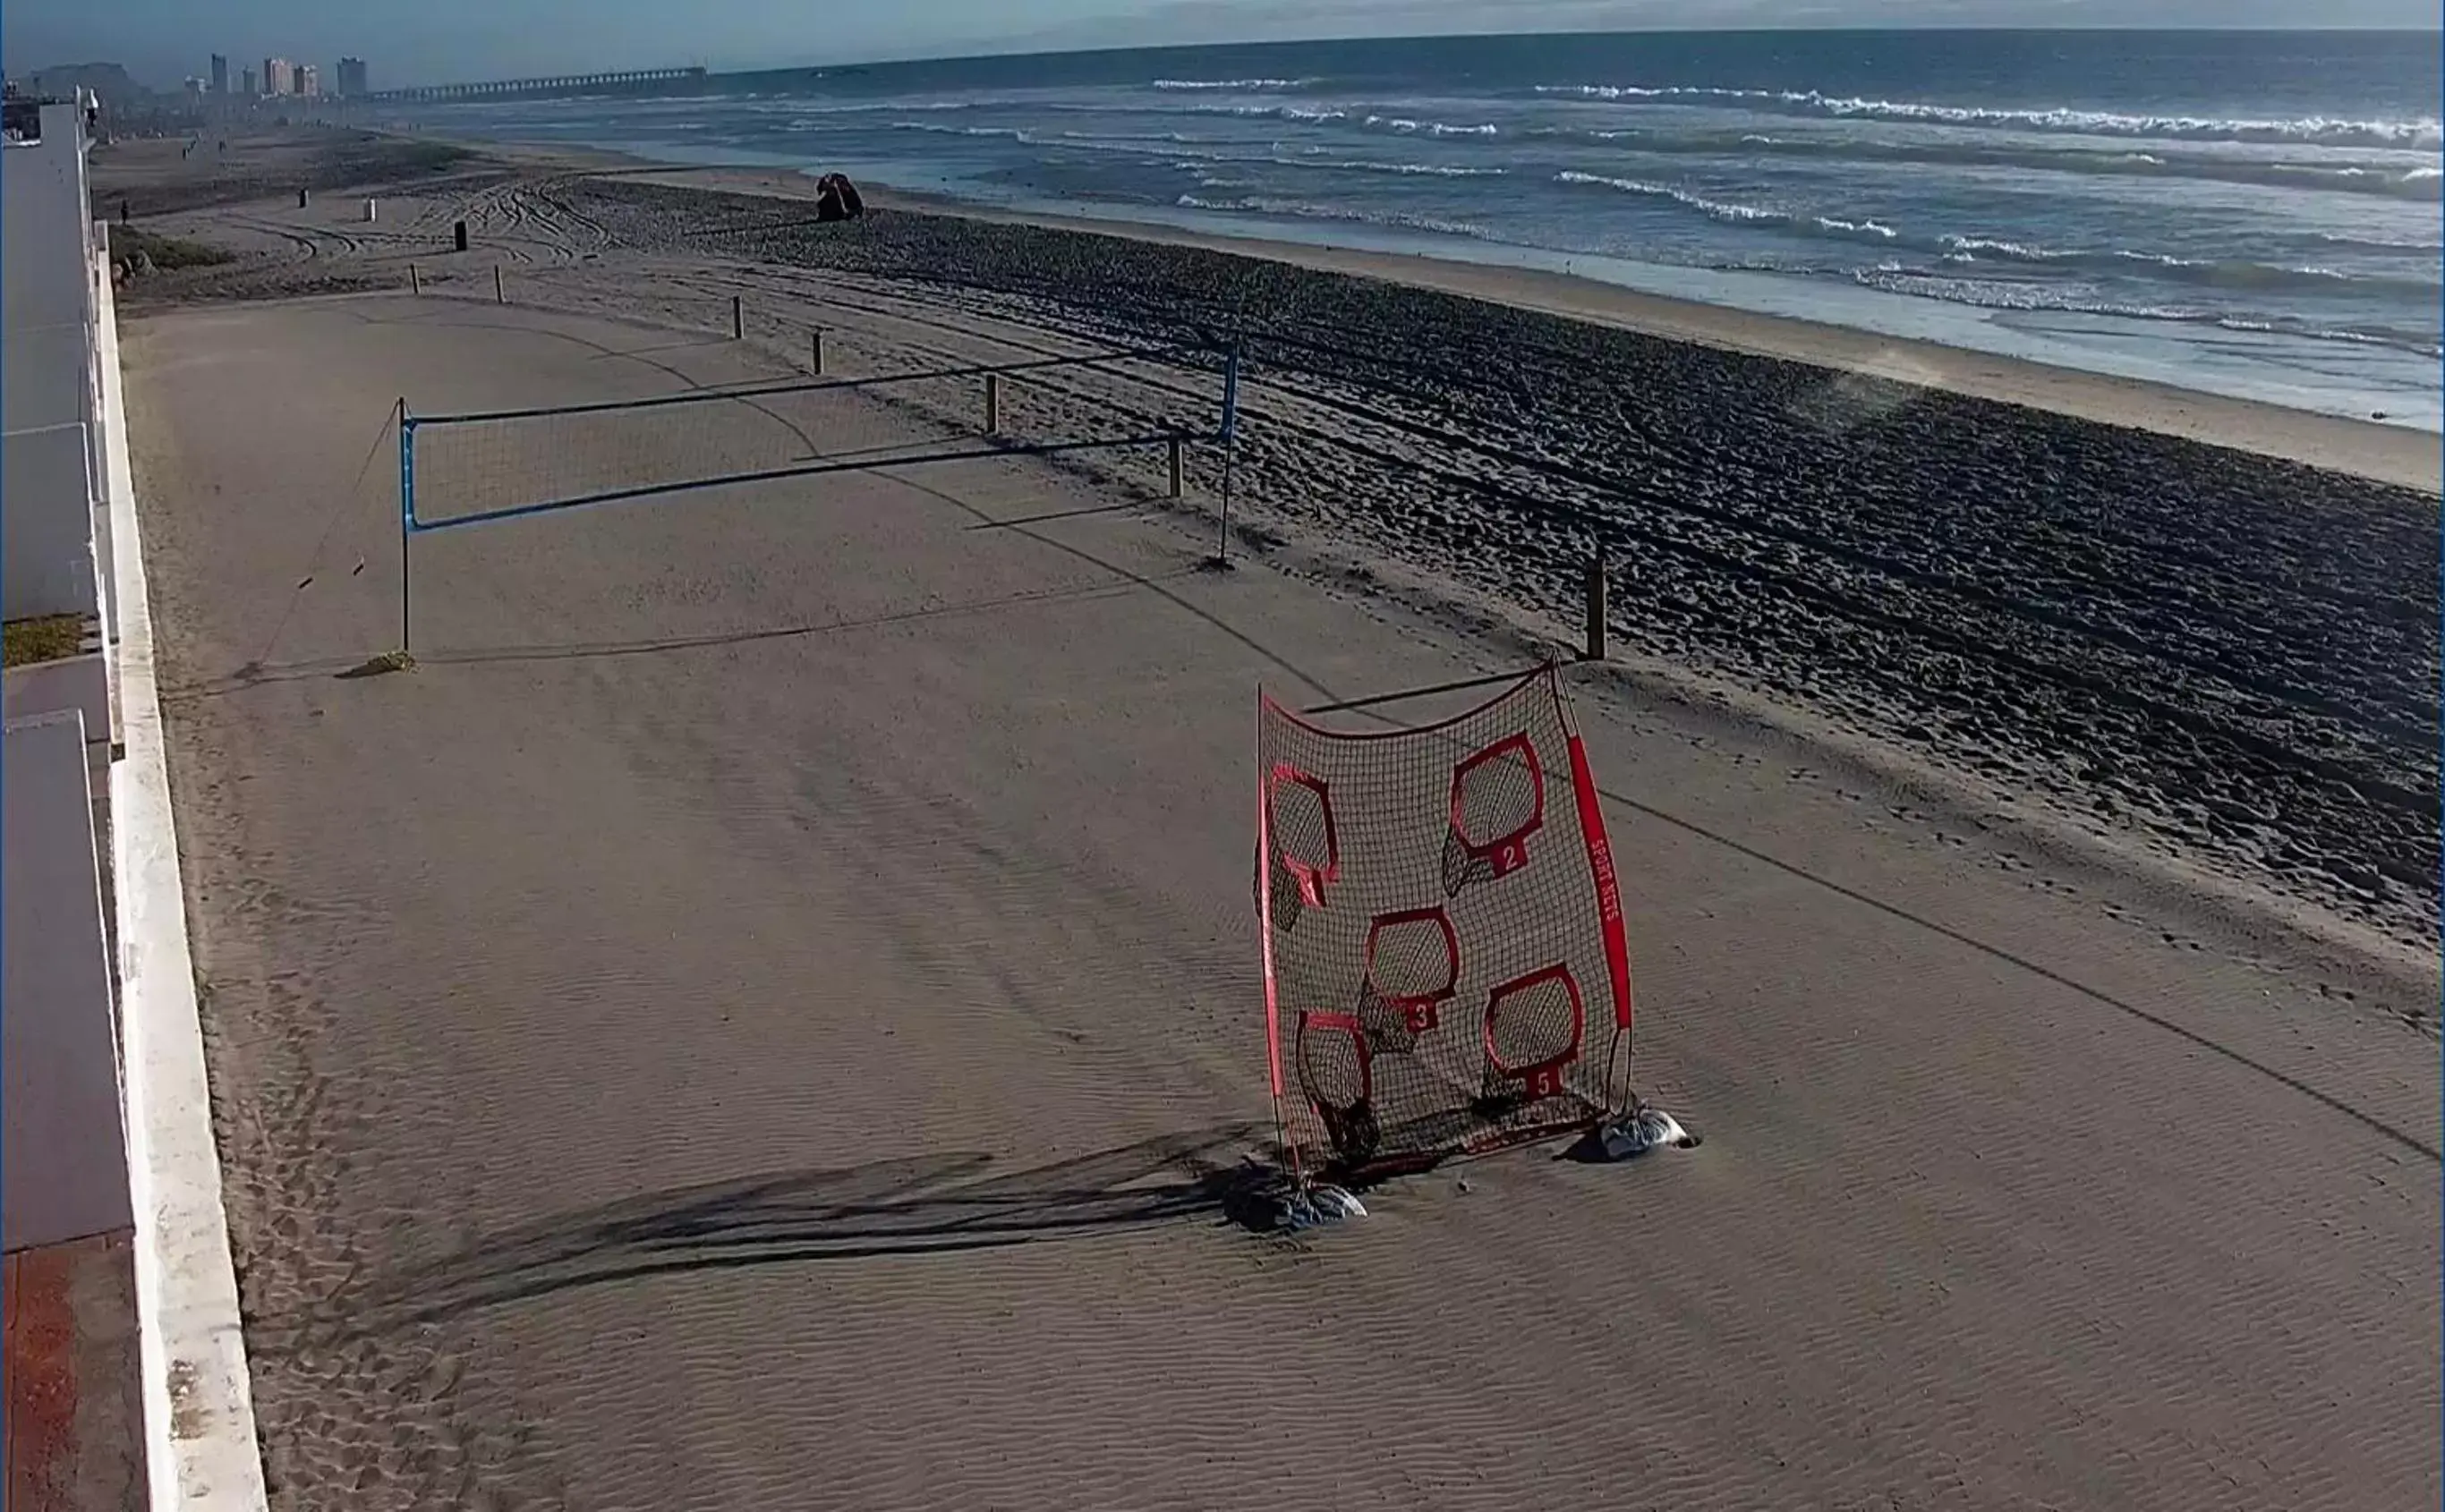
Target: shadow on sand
[921,1205]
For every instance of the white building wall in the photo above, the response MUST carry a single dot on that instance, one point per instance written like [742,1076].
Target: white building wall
[65,1148]
[49,493]
[48,228]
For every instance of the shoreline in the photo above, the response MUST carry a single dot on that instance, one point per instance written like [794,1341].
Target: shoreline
[2395,454]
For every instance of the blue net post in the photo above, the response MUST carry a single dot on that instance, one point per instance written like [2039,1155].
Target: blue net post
[407,509]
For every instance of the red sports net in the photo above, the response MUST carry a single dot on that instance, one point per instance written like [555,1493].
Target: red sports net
[1445,965]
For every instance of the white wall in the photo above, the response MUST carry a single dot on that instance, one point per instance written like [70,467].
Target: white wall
[48,301]
[48,376]
[44,221]
[64,1164]
[46,504]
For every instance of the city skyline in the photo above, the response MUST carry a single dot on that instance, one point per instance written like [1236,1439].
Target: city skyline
[281,77]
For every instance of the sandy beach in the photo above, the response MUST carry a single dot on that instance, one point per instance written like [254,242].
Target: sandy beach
[764,1014]
[2206,652]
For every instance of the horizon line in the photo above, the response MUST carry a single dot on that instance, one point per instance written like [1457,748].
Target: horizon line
[1021,47]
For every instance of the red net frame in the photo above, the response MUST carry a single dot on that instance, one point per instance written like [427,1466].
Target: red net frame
[1479,837]
[1507,851]
[1539,1076]
[1312,875]
[1420,1006]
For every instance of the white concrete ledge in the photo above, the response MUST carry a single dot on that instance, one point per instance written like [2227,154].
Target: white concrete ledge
[201,1448]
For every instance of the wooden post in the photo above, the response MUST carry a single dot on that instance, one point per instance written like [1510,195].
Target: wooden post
[738,318]
[498,297]
[459,236]
[1175,467]
[993,404]
[1595,647]
[819,350]
[415,284]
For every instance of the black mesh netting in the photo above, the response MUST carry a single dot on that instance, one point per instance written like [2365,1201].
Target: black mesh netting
[1446,971]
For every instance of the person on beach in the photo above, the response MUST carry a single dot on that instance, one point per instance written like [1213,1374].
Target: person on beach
[836,198]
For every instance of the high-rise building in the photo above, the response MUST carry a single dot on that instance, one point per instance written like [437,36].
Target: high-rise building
[309,81]
[279,77]
[246,83]
[353,77]
[220,74]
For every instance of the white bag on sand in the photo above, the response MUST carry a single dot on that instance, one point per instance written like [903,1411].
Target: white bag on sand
[1316,1205]
[1640,1130]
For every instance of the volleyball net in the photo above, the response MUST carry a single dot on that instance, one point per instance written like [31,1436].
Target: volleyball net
[480,468]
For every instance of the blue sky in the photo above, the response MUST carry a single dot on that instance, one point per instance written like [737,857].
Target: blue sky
[425,41]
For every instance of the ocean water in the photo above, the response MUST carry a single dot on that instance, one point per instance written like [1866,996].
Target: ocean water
[2256,214]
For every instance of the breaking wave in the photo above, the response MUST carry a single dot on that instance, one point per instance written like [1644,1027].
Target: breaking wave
[1006,133]
[1245,85]
[1302,210]
[2422,131]
[1730,211]
[1992,294]
[1433,128]
[1126,136]
[2390,180]
[1419,170]
[1275,112]
[2236,274]
[1960,248]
